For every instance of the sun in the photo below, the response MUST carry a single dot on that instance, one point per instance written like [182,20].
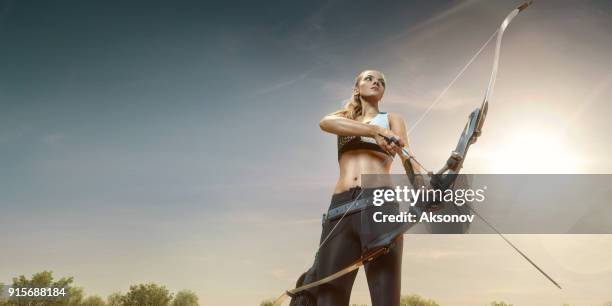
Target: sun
[529,150]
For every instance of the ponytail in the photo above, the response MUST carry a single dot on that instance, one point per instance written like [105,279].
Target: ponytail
[352,109]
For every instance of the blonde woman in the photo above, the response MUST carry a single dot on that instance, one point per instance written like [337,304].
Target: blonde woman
[363,132]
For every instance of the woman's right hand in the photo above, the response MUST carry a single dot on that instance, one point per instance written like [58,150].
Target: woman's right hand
[388,140]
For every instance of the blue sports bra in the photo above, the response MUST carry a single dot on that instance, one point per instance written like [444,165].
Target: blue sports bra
[348,143]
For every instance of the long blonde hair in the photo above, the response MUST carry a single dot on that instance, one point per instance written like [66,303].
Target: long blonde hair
[353,108]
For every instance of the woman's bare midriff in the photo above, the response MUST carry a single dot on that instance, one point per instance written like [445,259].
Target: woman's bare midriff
[357,162]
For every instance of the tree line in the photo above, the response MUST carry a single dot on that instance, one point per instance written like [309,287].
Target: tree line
[149,294]
[417,300]
[138,295]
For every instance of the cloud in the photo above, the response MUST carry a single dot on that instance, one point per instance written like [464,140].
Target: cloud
[280,85]
[264,220]
[437,254]
[53,138]
[429,26]
[310,35]
[11,135]
[280,274]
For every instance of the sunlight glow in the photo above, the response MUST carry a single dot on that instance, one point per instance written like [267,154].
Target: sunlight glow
[534,150]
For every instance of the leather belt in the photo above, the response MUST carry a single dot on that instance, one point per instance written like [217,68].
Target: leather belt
[348,208]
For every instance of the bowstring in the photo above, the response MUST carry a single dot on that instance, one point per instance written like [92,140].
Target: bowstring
[340,220]
[439,98]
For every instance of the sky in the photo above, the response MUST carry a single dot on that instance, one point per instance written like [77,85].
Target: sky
[178,142]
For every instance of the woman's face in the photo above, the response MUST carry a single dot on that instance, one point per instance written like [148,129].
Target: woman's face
[371,84]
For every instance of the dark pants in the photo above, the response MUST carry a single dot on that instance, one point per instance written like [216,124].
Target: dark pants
[348,241]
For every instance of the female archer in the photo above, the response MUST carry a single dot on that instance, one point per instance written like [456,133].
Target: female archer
[368,139]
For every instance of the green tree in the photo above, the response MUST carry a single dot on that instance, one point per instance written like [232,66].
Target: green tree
[75,297]
[185,298]
[93,301]
[147,295]
[416,300]
[115,299]
[266,303]
[44,279]
[2,297]
[3,301]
